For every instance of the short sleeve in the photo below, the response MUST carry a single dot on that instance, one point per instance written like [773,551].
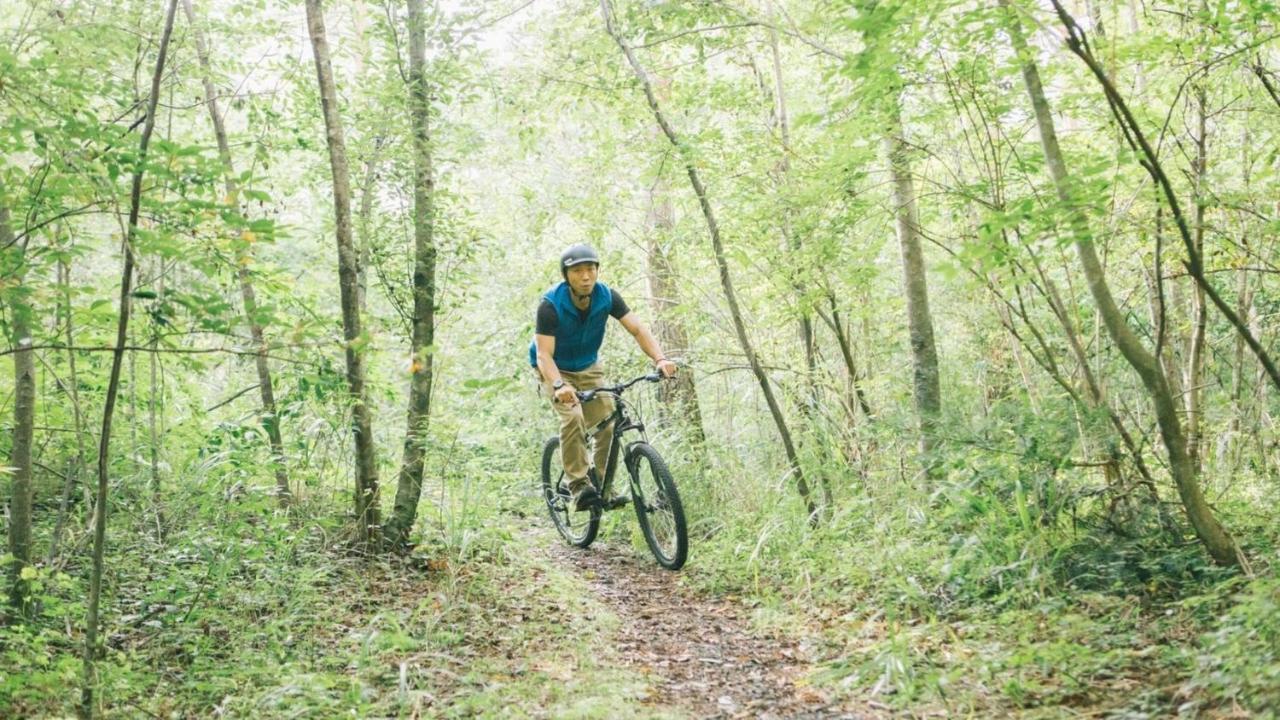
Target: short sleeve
[547,321]
[619,309]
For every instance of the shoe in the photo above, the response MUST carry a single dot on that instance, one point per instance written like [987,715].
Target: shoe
[616,502]
[586,498]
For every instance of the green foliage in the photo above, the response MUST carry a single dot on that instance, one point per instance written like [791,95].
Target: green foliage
[1038,572]
[1240,660]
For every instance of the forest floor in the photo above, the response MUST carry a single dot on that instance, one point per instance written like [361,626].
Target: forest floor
[498,618]
[597,633]
[697,654]
[558,632]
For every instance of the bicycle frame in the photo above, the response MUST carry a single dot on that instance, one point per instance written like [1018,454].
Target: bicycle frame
[623,424]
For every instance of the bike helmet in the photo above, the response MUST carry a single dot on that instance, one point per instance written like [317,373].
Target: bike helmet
[575,254]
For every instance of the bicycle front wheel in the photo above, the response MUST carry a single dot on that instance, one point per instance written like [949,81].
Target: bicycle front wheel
[658,507]
[577,528]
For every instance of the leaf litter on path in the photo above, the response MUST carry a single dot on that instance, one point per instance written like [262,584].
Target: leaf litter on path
[697,653]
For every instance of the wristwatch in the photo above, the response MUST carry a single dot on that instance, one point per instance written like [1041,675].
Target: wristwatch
[559,383]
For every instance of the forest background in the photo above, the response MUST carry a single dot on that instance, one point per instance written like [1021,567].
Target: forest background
[975,302]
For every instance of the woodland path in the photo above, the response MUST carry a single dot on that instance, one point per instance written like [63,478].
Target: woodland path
[697,653]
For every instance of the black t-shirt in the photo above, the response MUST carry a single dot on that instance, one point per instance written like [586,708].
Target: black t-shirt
[548,322]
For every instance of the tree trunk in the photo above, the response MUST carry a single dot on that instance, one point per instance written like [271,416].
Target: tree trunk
[266,390]
[682,392]
[113,384]
[1244,301]
[153,437]
[1194,396]
[366,485]
[790,242]
[1215,538]
[664,298]
[363,217]
[713,228]
[409,484]
[924,354]
[857,397]
[75,466]
[24,411]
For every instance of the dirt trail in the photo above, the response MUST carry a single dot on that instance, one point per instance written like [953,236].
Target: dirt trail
[698,653]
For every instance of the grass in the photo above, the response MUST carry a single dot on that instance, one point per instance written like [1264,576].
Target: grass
[976,596]
[247,612]
[972,599]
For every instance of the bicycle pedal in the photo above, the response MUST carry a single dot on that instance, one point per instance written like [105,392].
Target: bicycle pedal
[616,502]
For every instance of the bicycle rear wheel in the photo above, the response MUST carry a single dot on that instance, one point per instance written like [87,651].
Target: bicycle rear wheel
[658,507]
[577,528]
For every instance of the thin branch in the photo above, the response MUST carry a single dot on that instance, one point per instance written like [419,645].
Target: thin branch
[233,398]
[695,31]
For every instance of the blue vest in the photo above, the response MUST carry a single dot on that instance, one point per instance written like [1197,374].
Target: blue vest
[578,339]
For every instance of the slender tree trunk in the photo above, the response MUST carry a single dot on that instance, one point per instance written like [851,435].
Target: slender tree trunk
[664,298]
[664,294]
[133,397]
[409,484]
[364,217]
[924,354]
[75,465]
[366,485]
[153,436]
[1215,538]
[854,398]
[1195,359]
[808,394]
[1244,301]
[846,353]
[113,384]
[266,389]
[722,265]
[790,241]
[24,411]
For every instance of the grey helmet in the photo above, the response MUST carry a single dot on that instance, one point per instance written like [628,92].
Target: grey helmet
[575,254]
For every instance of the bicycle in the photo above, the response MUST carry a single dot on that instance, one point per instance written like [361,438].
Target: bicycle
[653,492]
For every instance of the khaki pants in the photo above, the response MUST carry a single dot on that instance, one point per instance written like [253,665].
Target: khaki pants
[576,419]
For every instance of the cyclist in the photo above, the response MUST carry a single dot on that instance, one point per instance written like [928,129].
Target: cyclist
[568,331]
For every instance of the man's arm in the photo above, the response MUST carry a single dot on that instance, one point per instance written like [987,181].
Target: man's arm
[648,343]
[546,348]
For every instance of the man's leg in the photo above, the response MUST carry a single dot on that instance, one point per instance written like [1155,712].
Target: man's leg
[595,412]
[573,441]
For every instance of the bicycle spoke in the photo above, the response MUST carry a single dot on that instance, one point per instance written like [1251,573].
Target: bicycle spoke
[658,509]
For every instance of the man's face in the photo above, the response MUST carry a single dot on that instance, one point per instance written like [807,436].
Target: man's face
[582,278]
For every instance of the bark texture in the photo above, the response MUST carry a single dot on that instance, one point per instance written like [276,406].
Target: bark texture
[664,298]
[366,476]
[924,354]
[24,410]
[409,483]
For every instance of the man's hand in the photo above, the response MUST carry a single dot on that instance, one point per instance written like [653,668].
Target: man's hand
[567,395]
[667,368]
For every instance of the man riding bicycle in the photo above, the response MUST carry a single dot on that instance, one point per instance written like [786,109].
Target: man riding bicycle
[568,332]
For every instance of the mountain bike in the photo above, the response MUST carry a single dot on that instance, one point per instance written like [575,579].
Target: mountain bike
[653,492]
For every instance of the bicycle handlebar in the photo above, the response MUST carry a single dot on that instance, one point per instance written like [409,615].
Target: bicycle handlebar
[589,395]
